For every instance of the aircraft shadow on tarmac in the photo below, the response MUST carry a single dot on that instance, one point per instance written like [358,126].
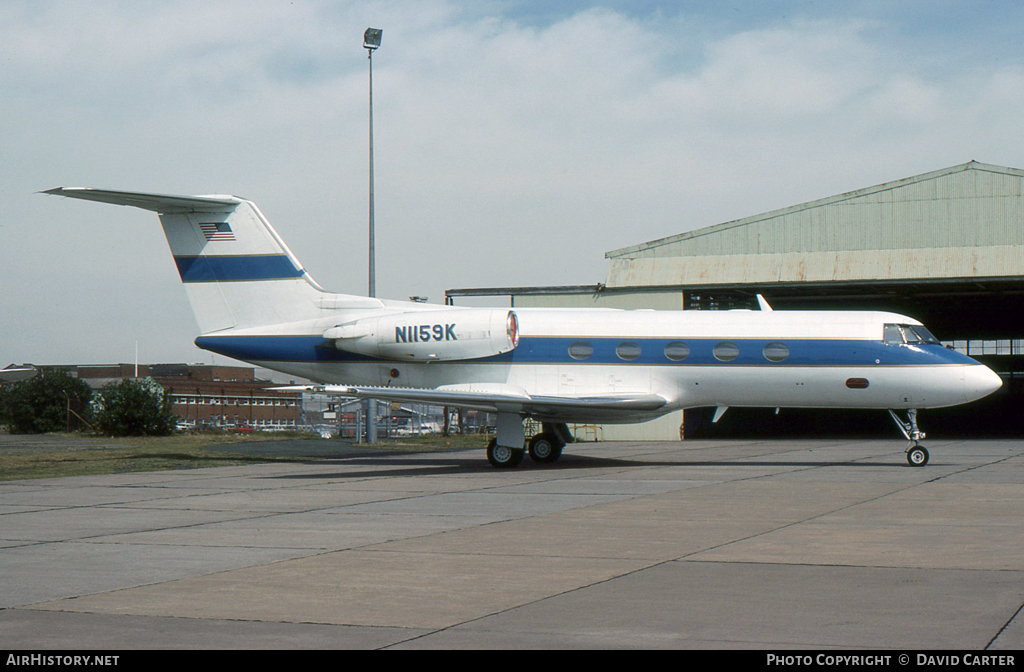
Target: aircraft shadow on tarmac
[446,465]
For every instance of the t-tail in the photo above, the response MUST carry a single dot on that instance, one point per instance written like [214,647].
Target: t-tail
[236,269]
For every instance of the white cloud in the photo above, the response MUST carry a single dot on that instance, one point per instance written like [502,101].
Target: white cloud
[507,153]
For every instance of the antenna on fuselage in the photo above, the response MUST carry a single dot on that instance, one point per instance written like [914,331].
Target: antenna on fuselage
[764,304]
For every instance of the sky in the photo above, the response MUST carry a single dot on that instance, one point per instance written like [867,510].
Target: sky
[515,143]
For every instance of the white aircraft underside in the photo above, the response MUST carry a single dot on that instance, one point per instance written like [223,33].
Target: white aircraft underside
[15,374]
[254,302]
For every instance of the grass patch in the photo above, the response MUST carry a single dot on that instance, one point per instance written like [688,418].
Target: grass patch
[435,442]
[62,455]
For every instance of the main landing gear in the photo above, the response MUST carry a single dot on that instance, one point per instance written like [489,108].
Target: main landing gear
[917,455]
[503,457]
[544,448]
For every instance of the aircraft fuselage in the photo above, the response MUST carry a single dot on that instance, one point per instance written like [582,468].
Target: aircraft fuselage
[691,358]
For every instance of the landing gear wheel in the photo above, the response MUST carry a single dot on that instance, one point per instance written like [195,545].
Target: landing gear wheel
[917,456]
[503,457]
[545,448]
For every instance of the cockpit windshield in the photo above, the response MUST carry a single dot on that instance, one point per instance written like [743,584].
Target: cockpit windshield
[898,334]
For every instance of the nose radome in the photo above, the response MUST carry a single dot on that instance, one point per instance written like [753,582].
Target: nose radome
[980,381]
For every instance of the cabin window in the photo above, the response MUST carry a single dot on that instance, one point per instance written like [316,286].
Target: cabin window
[580,350]
[857,383]
[677,351]
[726,352]
[628,350]
[776,352]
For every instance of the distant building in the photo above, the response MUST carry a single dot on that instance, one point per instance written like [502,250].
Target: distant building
[945,247]
[227,397]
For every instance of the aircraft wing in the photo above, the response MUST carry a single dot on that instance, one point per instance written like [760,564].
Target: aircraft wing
[501,398]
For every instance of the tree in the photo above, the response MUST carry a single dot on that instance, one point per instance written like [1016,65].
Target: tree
[134,408]
[53,401]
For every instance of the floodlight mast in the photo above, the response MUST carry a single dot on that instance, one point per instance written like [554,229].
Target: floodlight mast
[371,42]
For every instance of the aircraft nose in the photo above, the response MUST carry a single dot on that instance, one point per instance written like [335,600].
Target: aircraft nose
[980,381]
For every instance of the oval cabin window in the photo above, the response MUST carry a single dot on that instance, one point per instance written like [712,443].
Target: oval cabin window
[628,350]
[677,351]
[776,352]
[726,352]
[581,350]
[857,383]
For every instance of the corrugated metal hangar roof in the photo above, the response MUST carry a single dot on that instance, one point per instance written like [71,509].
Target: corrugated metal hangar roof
[966,221]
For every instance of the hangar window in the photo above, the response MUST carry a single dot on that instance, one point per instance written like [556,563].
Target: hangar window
[628,350]
[580,350]
[677,351]
[726,352]
[776,352]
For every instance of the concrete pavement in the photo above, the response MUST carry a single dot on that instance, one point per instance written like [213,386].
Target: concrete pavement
[698,544]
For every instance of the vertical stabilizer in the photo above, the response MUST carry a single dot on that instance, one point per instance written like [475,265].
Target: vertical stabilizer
[237,271]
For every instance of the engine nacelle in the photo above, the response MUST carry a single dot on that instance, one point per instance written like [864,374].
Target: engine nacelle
[430,335]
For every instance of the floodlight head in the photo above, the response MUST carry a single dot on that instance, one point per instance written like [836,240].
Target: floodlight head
[371,38]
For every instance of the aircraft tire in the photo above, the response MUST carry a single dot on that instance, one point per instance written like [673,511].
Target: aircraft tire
[917,456]
[503,457]
[545,448]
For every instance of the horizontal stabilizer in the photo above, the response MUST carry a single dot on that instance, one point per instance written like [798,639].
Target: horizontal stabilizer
[237,270]
[161,203]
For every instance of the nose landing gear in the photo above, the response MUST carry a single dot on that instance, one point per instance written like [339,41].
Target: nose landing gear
[917,455]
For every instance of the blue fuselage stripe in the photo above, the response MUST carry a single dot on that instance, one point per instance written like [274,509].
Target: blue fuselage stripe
[236,268]
[552,350]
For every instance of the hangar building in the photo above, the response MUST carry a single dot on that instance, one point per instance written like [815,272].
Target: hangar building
[945,247]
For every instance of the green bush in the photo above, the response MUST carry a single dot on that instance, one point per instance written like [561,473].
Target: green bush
[53,401]
[134,408]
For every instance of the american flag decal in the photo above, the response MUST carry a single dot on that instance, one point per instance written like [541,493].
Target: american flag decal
[216,231]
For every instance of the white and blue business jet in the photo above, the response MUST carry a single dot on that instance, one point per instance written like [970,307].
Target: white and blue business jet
[255,302]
